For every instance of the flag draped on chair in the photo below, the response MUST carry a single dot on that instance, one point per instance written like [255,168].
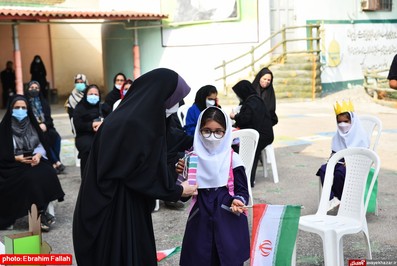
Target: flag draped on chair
[274,232]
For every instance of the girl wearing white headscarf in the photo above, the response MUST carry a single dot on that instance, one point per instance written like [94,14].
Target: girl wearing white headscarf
[217,228]
[350,133]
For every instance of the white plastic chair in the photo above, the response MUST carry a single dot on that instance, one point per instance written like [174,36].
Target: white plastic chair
[268,157]
[350,218]
[248,142]
[373,126]
[182,112]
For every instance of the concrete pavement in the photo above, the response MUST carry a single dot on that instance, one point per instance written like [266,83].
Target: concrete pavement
[302,144]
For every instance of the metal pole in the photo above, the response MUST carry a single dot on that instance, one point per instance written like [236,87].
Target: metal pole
[136,54]
[17,60]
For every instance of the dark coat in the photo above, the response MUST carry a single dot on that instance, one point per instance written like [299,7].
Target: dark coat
[253,114]
[211,223]
[267,94]
[126,171]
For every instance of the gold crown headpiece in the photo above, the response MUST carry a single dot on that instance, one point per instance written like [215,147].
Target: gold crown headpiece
[346,106]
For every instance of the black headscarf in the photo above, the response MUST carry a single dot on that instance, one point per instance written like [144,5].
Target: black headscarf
[202,94]
[253,113]
[8,128]
[112,96]
[243,90]
[126,171]
[267,94]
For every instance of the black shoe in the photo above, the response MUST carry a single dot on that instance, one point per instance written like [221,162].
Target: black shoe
[45,227]
[174,204]
[60,168]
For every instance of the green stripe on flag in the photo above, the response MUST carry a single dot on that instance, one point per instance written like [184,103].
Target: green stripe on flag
[287,233]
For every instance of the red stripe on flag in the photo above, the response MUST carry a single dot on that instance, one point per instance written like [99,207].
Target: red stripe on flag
[258,213]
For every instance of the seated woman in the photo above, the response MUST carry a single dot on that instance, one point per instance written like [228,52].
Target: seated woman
[114,94]
[87,119]
[206,96]
[349,133]
[263,85]
[253,114]
[80,84]
[42,112]
[26,176]
[123,91]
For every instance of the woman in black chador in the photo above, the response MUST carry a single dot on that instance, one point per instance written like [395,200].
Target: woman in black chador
[38,72]
[26,176]
[126,171]
[253,114]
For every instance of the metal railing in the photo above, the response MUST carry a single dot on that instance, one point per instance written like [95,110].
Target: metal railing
[249,60]
[376,84]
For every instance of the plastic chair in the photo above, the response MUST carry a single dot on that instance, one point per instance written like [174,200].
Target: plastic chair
[268,157]
[350,218]
[248,142]
[182,111]
[373,126]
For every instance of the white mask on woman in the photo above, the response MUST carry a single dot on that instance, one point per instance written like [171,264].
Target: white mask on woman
[344,127]
[209,103]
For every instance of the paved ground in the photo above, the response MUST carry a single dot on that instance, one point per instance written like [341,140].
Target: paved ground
[302,144]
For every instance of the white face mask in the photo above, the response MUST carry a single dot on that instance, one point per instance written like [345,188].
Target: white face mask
[344,127]
[211,143]
[118,86]
[209,103]
[171,110]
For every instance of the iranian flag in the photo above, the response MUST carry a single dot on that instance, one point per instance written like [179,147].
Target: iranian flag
[274,234]
[162,254]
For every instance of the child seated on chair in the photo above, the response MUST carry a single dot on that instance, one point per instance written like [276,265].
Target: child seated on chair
[217,228]
[349,133]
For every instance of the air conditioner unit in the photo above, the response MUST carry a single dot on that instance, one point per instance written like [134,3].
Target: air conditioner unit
[370,5]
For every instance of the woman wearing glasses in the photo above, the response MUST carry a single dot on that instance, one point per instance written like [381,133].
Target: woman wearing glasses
[26,176]
[253,114]
[218,210]
[114,95]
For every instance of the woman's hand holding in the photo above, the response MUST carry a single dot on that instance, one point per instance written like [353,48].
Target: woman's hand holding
[238,206]
[188,190]
[22,159]
[36,159]
[179,166]
[96,125]
[43,127]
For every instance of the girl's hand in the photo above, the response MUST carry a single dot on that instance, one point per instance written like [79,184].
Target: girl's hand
[36,159]
[188,190]
[179,166]
[22,159]
[232,115]
[237,206]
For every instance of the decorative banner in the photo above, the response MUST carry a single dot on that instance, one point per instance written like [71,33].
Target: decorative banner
[274,232]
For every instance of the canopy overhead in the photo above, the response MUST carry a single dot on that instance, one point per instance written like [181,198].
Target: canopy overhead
[30,14]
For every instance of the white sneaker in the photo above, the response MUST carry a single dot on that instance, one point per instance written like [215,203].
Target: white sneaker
[335,202]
